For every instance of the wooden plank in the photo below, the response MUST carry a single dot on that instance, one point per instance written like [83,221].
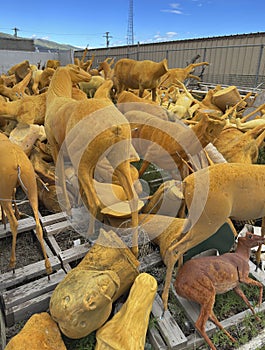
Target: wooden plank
[258,274]
[53,219]
[239,317]
[74,253]
[57,227]
[47,248]
[149,261]
[25,273]
[2,331]
[57,250]
[31,290]
[23,311]
[169,329]
[256,343]
[55,246]
[23,225]
[156,339]
[194,341]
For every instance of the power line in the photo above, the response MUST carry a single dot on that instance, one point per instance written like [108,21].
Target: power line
[48,33]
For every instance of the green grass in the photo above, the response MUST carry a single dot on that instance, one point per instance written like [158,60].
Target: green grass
[226,305]
[86,343]
[261,157]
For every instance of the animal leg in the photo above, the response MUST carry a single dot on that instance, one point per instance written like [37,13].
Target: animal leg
[29,181]
[170,259]
[143,168]
[242,295]
[169,271]
[218,324]
[174,254]
[58,161]
[7,206]
[62,183]
[205,313]
[125,179]
[3,217]
[17,214]
[39,233]
[85,177]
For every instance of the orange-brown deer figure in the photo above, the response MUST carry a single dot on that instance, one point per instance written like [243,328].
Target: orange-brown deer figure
[200,279]
[106,67]
[15,169]
[213,195]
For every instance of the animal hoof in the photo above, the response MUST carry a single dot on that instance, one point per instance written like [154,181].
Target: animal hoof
[162,315]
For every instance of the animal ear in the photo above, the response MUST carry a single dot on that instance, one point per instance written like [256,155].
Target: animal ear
[247,228]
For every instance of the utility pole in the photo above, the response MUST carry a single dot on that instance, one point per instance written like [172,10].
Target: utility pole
[107,36]
[16,30]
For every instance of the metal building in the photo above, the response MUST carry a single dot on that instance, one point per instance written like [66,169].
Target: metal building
[234,59]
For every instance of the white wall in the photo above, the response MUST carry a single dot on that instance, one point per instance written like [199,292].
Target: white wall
[10,58]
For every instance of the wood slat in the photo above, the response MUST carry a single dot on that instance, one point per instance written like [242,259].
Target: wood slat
[74,253]
[239,317]
[31,290]
[53,219]
[149,261]
[169,329]
[57,227]
[23,311]
[34,297]
[57,250]
[25,273]
[156,339]
[54,245]
[47,248]
[23,225]
[258,274]
[2,331]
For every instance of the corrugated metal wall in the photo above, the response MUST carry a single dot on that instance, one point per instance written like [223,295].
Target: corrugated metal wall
[234,60]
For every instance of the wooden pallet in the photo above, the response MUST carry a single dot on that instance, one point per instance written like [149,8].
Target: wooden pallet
[28,291]
[164,337]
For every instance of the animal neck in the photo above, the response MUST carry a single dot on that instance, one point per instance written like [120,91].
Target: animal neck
[61,84]
[243,251]
[106,70]
[162,69]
